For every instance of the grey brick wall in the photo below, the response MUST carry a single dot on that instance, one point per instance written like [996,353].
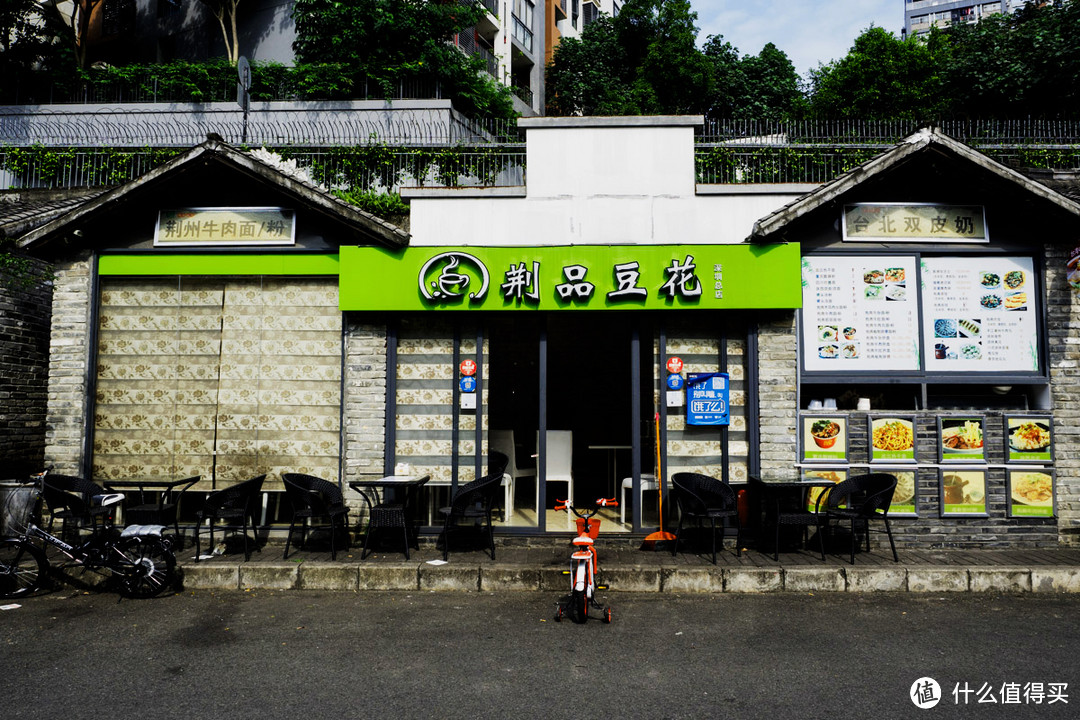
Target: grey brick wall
[1063,319]
[777,392]
[364,400]
[25,309]
[69,354]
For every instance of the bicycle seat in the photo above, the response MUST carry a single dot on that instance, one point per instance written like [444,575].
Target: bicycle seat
[109,499]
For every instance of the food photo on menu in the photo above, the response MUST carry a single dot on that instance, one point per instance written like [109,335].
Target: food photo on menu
[1028,438]
[890,284]
[1031,493]
[824,438]
[963,492]
[961,438]
[892,439]
[903,499]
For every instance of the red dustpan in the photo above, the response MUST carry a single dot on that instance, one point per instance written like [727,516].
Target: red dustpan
[659,540]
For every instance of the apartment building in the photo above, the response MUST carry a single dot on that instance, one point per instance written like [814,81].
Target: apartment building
[513,37]
[921,15]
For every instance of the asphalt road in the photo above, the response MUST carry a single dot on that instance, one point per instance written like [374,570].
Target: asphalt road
[455,655]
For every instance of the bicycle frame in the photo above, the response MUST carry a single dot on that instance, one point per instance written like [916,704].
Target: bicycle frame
[583,564]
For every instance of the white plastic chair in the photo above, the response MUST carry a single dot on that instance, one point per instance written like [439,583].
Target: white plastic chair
[503,441]
[560,460]
[648,482]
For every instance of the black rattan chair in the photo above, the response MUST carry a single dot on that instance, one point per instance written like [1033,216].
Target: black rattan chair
[313,497]
[858,500]
[71,499]
[702,497]
[472,503]
[235,505]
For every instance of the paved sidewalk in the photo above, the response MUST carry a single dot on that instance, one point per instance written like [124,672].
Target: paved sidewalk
[537,565]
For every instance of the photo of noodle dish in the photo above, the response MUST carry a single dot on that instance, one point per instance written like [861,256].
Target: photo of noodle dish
[892,435]
[965,437]
[828,352]
[895,292]
[905,488]
[1029,436]
[894,275]
[1033,488]
[873,277]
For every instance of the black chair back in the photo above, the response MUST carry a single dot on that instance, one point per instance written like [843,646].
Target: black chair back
[864,495]
[697,494]
[311,494]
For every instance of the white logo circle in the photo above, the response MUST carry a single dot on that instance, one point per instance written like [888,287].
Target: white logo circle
[925,693]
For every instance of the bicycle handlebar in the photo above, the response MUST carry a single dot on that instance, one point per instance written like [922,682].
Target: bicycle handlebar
[600,502]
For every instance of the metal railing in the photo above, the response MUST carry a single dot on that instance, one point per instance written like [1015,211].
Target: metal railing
[378,168]
[349,153]
[319,126]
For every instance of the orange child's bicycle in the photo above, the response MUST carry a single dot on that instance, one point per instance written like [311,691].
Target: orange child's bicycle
[583,565]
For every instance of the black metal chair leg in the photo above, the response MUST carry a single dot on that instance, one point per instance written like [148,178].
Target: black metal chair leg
[888,531]
[288,539]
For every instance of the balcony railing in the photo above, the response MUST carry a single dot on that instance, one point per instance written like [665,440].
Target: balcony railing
[524,92]
[523,34]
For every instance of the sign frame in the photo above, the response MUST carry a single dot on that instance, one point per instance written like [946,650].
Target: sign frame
[914,504]
[975,508]
[708,417]
[1033,457]
[812,449]
[892,456]
[221,216]
[1038,510]
[978,225]
[953,425]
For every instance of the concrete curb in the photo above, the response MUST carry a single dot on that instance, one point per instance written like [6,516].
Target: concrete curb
[496,578]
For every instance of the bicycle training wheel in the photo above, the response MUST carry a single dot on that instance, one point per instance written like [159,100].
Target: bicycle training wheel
[23,568]
[149,566]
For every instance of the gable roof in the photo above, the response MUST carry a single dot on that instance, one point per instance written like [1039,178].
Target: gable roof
[360,225]
[772,227]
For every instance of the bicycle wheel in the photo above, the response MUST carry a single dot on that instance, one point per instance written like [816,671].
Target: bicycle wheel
[23,568]
[148,567]
[578,610]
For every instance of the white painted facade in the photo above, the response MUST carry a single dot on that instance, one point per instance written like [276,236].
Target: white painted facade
[598,181]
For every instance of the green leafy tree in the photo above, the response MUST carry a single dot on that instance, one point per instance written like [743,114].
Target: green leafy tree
[584,78]
[33,49]
[390,41]
[1021,64]
[763,86]
[882,77]
[643,61]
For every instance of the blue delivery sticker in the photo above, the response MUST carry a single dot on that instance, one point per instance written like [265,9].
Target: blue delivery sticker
[674,382]
[467,384]
[707,399]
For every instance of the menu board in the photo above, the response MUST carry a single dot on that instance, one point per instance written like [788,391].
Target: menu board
[860,313]
[979,314]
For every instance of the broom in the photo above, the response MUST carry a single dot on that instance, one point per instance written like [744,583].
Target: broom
[658,540]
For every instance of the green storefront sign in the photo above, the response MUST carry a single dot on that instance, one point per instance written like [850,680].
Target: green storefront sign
[590,277]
